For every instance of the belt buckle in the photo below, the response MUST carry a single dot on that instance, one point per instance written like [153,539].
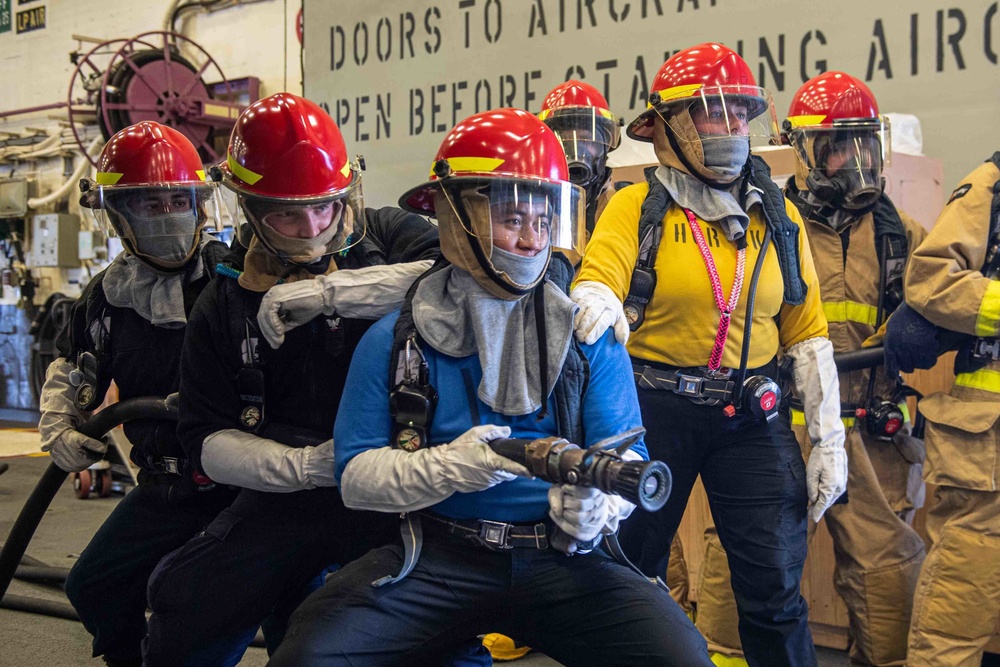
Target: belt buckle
[170,465]
[494,533]
[689,385]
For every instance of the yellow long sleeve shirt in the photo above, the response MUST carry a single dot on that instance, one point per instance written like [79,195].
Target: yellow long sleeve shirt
[682,317]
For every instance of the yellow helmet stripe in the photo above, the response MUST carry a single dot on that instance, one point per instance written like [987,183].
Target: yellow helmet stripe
[678,92]
[475,164]
[804,121]
[597,110]
[241,172]
[108,177]
[346,169]
[200,173]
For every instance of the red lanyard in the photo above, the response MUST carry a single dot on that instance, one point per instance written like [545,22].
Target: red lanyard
[726,309]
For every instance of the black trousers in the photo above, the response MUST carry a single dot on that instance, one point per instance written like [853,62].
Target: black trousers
[755,479]
[580,610]
[107,585]
[256,559]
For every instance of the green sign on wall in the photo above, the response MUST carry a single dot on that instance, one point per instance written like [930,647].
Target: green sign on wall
[5,16]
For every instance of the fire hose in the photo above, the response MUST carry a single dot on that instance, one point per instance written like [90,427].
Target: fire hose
[53,477]
[645,484]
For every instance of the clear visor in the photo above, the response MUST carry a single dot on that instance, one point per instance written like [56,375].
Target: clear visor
[861,146]
[301,231]
[725,111]
[114,207]
[522,216]
[160,223]
[586,135]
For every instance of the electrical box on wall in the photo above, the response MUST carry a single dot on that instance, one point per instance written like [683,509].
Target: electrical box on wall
[92,245]
[13,197]
[54,240]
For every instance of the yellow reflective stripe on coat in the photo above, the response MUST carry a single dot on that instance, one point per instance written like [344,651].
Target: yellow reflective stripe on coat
[850,311]
[799,419]
[985,379]
[989,311]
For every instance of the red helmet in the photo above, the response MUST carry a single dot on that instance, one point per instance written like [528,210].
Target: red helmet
[502,143]
[286,153]
[830,97]
[706,70]
[841,140]
[500,181]
[286,147]
[151,191]
[579,115]
[149,153]
[573,93]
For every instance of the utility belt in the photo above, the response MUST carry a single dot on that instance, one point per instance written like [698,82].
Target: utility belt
[758,395]
[493,535]
[882,419]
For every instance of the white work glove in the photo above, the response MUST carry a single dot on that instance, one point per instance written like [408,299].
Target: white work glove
[599,309]
[70,450]
[585,512]
[238,458]
[818,386]
[394,480]
[368,293]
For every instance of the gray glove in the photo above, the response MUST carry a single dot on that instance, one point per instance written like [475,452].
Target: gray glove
[818,385]
[242,459]
[70,450]
[368,293]
[394,480]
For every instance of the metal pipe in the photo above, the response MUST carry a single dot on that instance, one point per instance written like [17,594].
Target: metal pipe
[71,182]
[27,110]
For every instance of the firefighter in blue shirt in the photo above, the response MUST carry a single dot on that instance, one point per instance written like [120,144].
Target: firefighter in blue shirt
[489,341]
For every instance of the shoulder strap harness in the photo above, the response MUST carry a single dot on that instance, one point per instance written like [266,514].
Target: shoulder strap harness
[654,208]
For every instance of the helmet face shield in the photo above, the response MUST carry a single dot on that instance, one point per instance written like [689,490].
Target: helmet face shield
[522,216]
[160,223]
[860,144]
[722,111]
[303,230]
[586,135]
[850,154]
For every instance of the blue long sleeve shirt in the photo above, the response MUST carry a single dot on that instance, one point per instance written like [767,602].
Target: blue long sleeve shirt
[610,406]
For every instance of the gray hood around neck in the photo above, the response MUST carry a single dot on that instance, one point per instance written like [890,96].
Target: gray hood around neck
[708,203]
[457,317]
[157,297]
